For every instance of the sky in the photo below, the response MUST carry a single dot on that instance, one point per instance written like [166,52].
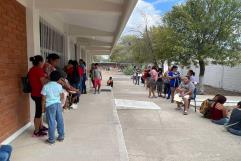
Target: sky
[153,10]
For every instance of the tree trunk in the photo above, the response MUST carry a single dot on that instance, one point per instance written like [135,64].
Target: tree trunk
[201,75]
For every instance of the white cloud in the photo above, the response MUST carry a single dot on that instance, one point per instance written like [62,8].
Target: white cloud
[176,2]
[162,1]
[144,14]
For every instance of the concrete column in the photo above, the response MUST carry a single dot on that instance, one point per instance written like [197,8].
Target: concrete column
[33,39]
[33,34]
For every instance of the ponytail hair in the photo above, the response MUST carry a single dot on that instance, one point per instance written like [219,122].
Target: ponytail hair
[36,60]
[192,72]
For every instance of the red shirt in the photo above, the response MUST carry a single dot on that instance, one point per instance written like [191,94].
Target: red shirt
[34,75]
[71,70]
[216,114]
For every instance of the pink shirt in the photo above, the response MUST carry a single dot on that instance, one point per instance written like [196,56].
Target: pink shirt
[154,74]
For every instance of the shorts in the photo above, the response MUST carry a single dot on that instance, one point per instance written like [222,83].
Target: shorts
[38,105]
[177,98]
[97,82]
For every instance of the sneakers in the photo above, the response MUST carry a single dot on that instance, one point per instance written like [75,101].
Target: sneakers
[44,129]
[39,134]
[185,113]
[60,139]
[74,106]
[49,142]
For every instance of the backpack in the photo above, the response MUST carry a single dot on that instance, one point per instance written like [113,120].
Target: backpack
[26,87]
[206,108]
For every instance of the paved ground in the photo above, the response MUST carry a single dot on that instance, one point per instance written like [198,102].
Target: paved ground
[167,135]
[94,133]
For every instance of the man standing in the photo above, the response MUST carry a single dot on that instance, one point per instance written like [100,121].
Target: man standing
[184,93]
[97,78]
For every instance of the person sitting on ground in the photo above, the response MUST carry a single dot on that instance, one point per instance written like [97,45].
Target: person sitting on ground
[97,78]
[52,95]
[219,112]
[5,152]
[234,124]
[206,107]
[110,82]
[184,94]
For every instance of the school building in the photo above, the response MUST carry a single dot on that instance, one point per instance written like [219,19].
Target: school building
[73,29]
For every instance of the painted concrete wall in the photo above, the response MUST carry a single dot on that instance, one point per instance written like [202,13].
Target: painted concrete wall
[220,76]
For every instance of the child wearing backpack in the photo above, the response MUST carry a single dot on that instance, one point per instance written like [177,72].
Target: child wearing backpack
[52,94]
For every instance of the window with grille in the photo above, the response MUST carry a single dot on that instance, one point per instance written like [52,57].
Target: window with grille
[51,41]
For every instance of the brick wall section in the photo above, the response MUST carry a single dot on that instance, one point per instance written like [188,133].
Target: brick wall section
[14,105]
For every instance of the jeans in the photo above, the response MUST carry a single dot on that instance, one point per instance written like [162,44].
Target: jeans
[83,84]
[5,152]
[80,84]
[221,121]
[166,88]
[54,114]
[235,132]
[137,80]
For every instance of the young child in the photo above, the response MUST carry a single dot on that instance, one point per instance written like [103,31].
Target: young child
[110,82]
[52,94]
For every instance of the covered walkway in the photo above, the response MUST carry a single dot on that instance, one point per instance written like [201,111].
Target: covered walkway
[93,133]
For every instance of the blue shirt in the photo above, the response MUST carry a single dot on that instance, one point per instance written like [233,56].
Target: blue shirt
[235,119]
[175,80]
[52,91]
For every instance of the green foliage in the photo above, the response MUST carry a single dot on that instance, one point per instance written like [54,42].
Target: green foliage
[207,30]
[130,49]
[128,70]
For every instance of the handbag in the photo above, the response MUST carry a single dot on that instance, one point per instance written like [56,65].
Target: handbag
[26,87]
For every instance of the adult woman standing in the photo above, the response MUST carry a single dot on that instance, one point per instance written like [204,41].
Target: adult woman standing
[74,75]
[152,83]
[191,74]
[159,83]
[174,77]
[37,79]
[51,64]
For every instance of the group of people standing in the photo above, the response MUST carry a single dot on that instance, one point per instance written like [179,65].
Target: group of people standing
[50,87]
[181,89]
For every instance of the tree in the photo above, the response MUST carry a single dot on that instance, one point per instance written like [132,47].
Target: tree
[207,31]
[131,49]
[163,39]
